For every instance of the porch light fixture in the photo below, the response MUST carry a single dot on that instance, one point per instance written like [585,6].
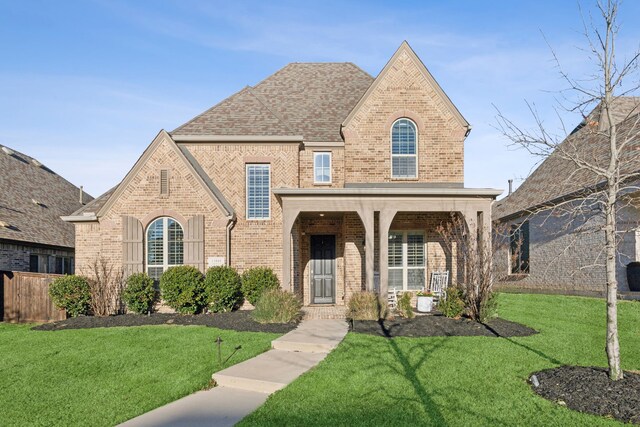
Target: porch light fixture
[321,214]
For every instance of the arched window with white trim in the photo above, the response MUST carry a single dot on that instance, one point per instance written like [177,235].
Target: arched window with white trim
[165,246]
[404,149]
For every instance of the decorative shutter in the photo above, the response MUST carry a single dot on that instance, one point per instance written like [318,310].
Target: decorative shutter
[194,242]
[132,246]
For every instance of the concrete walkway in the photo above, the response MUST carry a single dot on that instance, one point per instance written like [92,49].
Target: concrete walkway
[242,388]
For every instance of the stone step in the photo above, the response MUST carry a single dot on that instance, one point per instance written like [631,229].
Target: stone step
[268,372]
[313,336]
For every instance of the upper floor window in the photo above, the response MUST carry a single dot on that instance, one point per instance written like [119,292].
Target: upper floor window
[164,246]
[258,191]
[322,168]
[404,157]
[519,248]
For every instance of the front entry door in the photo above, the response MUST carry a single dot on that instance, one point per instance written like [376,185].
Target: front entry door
[323,258]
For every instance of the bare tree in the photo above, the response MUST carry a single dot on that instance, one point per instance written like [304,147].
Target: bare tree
[600,158]
[106,283]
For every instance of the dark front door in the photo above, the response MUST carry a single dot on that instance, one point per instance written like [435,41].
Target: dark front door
[323,259]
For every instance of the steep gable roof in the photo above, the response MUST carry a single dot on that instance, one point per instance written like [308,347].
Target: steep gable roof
[557,177]
[32,199]
[307,99]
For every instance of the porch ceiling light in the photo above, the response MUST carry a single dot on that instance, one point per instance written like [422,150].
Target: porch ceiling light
[321,214]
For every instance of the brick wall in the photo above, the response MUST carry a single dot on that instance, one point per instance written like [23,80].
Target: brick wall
[15,257]
[337,167]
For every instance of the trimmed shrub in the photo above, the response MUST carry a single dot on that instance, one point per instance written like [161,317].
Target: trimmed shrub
[223,289]
[257,280]
[71,293]
[453,304]
[182,289]
[277,306]
[405,309]
[367,306]
[140,294]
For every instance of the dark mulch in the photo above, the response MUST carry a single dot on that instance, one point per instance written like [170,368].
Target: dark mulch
[441,326]
[236,320]
[590,390]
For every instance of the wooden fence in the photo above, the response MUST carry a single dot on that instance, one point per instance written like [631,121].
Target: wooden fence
[26,298]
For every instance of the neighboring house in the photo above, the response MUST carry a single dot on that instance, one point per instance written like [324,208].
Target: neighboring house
[549,244]
[32,199]
[334,179]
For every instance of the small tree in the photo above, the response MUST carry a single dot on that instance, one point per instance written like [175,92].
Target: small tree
[107,283]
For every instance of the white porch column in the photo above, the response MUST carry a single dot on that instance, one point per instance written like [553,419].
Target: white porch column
[288,218]
[385,220]
[366,216]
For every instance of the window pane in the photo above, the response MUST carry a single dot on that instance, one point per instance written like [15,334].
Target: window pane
[395,278]
[404,166]
[155,236]
[403,137]
[415,278]
[415,250]
[322,167]
[395,250]
[175,245]
[258,189]
[154,272]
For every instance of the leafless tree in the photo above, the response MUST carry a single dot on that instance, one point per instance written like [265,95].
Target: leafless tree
[106,283]
[601,157]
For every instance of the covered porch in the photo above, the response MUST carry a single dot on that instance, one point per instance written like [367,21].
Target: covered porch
[337,241]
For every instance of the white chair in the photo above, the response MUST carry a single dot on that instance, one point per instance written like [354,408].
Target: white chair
[392,298]
[438,285]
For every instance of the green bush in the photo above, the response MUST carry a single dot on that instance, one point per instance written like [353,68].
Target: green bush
[277,306]
[140,293]
[257,280]
[453,304]
[367,306]
[223,289]
[71,293]
[405,309]
[182,289]
[488,308]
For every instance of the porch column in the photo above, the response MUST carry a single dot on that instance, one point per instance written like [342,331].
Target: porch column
[385,220]
[366,216]
[288,218]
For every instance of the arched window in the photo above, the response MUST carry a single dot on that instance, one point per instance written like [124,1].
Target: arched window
[404,143]
[164,246]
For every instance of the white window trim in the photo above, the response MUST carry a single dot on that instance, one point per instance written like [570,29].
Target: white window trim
[246,190]
[405,258]
[165,244]
[404,155]
[316,154]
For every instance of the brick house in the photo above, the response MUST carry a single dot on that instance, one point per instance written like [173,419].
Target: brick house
[549,245]
[32,199]
[334,179]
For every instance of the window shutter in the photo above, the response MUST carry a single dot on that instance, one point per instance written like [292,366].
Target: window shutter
[132,246]
[164,182]
[194,242]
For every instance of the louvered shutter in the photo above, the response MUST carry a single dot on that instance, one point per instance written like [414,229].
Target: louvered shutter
[194,242]
[132,246]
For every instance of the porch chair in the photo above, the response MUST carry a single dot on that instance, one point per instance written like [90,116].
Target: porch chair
[438,285]
[392,298]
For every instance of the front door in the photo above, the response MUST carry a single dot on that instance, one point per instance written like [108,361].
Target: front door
[323,258]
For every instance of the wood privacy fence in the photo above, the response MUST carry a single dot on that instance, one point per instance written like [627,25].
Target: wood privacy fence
[26,298]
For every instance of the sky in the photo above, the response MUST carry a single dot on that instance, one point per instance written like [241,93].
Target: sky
[85,86]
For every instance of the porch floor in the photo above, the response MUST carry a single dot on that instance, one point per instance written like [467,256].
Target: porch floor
[313,312]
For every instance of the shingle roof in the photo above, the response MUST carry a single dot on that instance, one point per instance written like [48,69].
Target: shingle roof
[96,204]
[557,177]
[32,199]
[308,99]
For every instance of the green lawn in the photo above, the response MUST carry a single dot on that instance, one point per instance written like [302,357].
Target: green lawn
[456,381]
[101,377]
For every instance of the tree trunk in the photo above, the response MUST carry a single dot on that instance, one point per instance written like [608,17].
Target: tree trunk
[613,345]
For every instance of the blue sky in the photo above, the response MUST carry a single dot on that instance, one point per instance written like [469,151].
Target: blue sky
[86,85]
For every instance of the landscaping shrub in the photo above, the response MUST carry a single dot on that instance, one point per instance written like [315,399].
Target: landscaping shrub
[367,306]
[453,304]
[223,289]
[257,280]
[71,293]
[277,306]
[489,308]
[140,294]
[405,309]
[182,289]
[106,283]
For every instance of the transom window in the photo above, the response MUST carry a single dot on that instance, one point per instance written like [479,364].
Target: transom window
[404,158]
[165,247]
[322,168]
[406,260]
[258,191]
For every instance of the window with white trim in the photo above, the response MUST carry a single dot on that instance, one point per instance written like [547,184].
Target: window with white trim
[258,191]
[404,152]
[322,167]
[406,260]
[165,247]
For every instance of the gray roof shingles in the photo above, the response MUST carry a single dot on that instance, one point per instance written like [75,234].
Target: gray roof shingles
[23,181]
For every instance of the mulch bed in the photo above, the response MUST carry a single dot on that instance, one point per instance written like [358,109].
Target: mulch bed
[441,326]
[589,389]
[236,320]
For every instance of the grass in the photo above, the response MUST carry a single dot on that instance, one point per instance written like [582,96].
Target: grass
[371,380]
[101,377]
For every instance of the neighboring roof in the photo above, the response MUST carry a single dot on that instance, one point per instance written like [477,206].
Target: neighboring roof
[308,99]
[32,199]
[96,204]
[557,177]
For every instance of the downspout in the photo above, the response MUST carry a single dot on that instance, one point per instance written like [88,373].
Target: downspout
[230,225]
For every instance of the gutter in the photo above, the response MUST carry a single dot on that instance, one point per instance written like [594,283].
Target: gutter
[230,225]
